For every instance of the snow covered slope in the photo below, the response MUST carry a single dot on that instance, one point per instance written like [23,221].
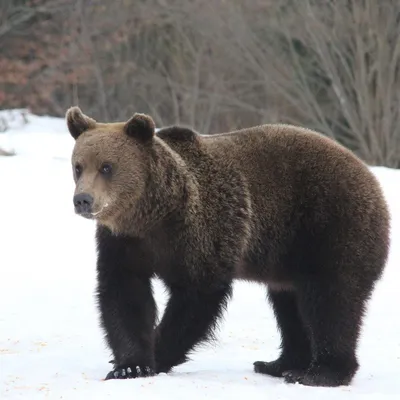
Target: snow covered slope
[51,346]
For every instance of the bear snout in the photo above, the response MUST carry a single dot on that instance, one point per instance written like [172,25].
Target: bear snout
[83,203]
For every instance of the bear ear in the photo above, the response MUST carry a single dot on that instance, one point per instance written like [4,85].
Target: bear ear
[140,126]
[78,122]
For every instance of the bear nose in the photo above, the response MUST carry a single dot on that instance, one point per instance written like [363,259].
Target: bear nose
[83,203]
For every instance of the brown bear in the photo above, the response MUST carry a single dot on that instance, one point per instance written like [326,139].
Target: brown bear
[276,204]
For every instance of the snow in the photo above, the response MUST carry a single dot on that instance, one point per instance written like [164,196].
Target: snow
[51,345]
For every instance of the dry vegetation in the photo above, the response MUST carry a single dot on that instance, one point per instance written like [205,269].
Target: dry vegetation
[331,65]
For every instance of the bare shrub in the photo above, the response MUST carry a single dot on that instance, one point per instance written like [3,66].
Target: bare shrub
[214,65]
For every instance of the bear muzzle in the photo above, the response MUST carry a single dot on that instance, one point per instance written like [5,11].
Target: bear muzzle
[83,203]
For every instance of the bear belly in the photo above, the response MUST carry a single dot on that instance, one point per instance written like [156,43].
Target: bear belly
[249,272]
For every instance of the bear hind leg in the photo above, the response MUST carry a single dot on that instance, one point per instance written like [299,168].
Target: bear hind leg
[295,344]
[333,313]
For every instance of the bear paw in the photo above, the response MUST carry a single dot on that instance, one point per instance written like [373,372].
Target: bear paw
[278,367]
[130,372]
[273,368]
[317,377]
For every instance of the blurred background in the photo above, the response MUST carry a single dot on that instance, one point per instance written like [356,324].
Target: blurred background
[215,65]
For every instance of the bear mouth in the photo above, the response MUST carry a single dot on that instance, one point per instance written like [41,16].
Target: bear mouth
[94,214]
[86,215]
[89,214]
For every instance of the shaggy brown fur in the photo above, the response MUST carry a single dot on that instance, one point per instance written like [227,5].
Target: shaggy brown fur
[276,204]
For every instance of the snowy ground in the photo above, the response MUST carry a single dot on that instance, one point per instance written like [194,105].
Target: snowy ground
[51,346]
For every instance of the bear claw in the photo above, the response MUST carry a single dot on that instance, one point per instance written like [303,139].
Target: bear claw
[315,378]
[130,372]
[294,376]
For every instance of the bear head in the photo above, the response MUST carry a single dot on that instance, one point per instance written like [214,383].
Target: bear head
[110,164]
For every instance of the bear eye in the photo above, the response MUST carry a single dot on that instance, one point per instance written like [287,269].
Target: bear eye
[78,170]
[106,169]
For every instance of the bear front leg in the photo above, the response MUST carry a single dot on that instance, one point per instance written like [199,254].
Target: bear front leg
[189,318]
[127,312]
[127,316]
